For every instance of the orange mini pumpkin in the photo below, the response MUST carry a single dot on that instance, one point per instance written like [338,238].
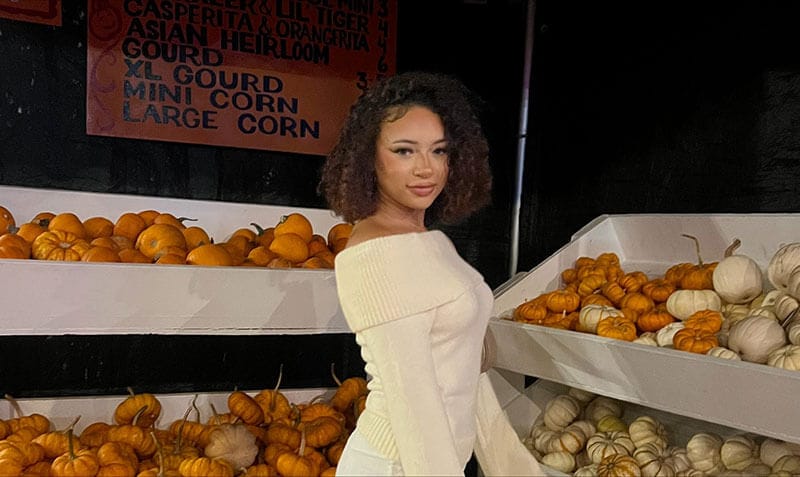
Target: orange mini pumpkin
[617,327]
[140,409]
[658,289]
[694,340]
[637,302]
[562,300]
[704,320]
[613,292]
[530,312]
[98,227]
[209,255]
[654,320]
[59,245]
[7,222]
[295,223]
[158,236]
[68,222]
[246,408]
[596,299]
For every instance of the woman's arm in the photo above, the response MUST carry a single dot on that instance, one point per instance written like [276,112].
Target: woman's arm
[401,350]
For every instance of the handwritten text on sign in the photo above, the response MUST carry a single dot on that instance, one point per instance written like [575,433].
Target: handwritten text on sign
[264,74]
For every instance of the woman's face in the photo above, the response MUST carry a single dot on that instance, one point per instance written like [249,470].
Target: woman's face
[411,161]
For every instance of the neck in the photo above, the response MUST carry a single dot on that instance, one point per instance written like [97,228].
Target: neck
[402,221]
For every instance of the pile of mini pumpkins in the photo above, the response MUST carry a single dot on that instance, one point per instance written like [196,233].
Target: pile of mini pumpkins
[721,309]
[262,435]
[152,236]
[587,435]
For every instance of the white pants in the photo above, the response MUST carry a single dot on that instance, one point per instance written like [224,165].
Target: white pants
[359,458]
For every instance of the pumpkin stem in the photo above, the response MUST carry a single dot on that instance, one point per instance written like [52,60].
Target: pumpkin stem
[139,414]
[317,398]
[186,219]
[302,450]
[259,229]
[696,248]
[14,404]
[196,409]
[70,444]
[733,246]
[275,391]
[335,378]
[217,419]
[72,425]
[130,391]
[159,454]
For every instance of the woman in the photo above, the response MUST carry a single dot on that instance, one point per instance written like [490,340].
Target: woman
[412,153]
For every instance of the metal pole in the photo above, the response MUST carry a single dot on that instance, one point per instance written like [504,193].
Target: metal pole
[523,132]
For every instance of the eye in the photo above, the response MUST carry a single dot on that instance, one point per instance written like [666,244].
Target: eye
[440,151]
[403,151]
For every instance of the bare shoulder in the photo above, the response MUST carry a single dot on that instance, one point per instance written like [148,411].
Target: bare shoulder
[366,229]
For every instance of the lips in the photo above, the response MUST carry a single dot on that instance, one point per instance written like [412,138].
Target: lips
[422,190]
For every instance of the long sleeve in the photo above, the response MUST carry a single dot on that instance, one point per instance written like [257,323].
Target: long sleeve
[497,446]
[401,353]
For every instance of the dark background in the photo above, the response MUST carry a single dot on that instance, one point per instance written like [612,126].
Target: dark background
[635,107]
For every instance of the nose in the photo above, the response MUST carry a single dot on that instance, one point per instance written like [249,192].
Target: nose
[422,166]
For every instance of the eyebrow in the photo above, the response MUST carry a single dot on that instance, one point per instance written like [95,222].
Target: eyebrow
[410,141]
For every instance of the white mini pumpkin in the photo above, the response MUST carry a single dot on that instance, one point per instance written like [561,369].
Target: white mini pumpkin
[755,337]
[793,333]
[646,430]
[647,338]
[589,470]
[757,469]
[664,335]
[571,439]
[724,353]
[590,315]
[793,286]
[603,444]
[788,463]
[611,423]
[600,407]
[785,259]
[703,451]
[737,279]
[234,443]
[653,461]
[585,425]
[785,357]
[732,310]
[683,303]
[560,411]
[767,311]
[676,456]
[738,452]
[581,395]
[773,449]
[561,461]
[784,305]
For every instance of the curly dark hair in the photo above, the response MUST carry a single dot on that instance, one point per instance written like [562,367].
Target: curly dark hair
[348,180]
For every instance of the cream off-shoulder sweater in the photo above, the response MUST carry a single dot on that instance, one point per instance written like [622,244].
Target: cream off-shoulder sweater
[419,313]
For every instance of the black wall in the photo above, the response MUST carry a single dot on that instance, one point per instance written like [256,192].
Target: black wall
[661,106]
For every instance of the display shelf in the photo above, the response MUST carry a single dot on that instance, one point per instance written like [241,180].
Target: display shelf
[747,396]
[46,298]
[64,410]
[526,406]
